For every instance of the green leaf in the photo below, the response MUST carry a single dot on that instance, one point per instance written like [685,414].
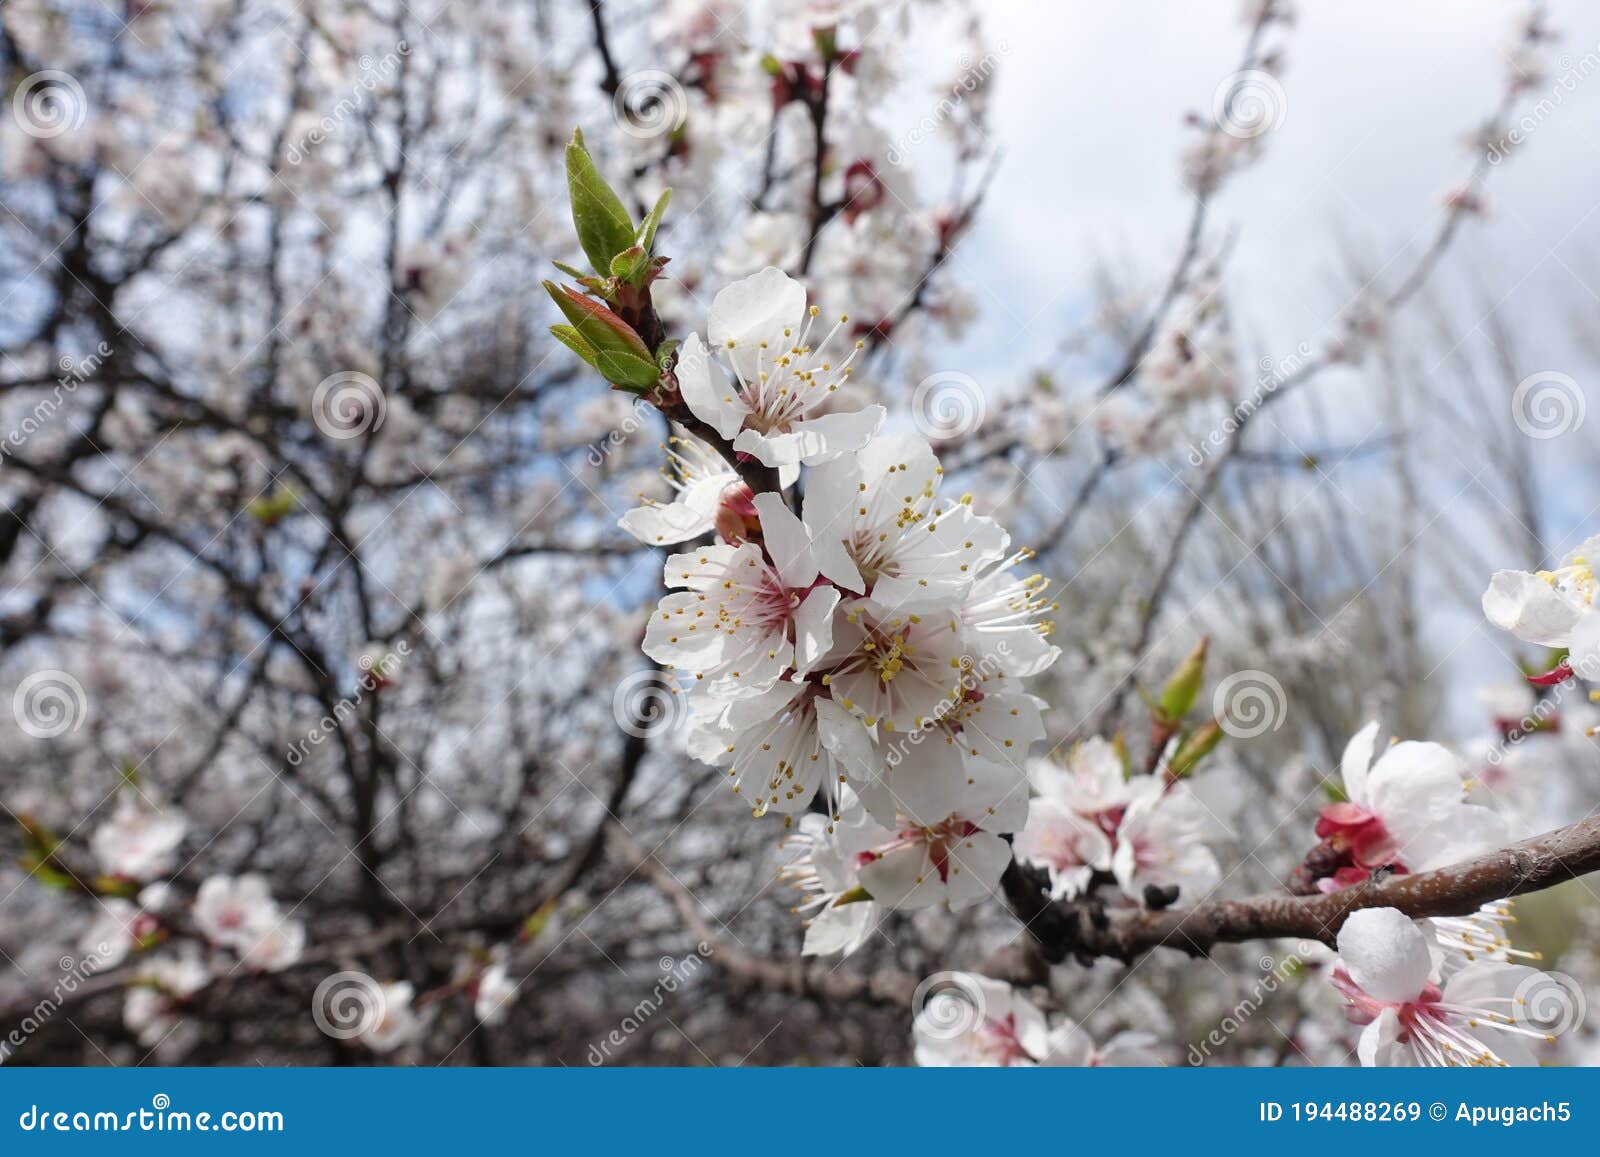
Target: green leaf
[626,265]
[48,875]
[121,887]
[537,920]
[598,326]
[647,231]
[603,224]
[665,351]
[626,370]
[273,508]
[573,340]
[570,270]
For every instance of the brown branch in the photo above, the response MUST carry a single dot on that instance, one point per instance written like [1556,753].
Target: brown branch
[1075,929]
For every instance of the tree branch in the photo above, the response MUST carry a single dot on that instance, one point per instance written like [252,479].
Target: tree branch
[1073,928]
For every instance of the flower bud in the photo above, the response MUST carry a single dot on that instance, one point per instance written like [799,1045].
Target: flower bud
[1178,696]
[1195,746]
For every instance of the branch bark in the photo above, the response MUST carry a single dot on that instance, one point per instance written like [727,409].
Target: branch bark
[1074,928]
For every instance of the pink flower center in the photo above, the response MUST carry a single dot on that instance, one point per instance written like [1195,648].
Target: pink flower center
[1360,832]
[940,839]
[998,1040]
[736,517]
[1364,1009]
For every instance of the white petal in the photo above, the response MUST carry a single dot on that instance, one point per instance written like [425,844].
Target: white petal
[780,450]
[666,523]
[831,489]
[834,562]
[842,928]
[995,796]
[754,310]
[1379,1045]
[829,435]
[1132,1050]
[923,778]
[1356,760]
[974,869]
[1002,728]
[674,639]
[848,741]
[1468,831]
[1070,1046]
[903,878]
[1386,954]
[1585,647]
[1413,783]
[813,628]
[786,541]
[1529,608]
[706,389]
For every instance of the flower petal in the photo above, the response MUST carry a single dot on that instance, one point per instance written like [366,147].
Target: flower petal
[1529,608]
[1386,954]
[754,310]
[706,389]
[1356,760]
[786,541]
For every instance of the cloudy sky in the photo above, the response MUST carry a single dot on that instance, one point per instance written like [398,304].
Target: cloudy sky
[1378,98]
[1379,94]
